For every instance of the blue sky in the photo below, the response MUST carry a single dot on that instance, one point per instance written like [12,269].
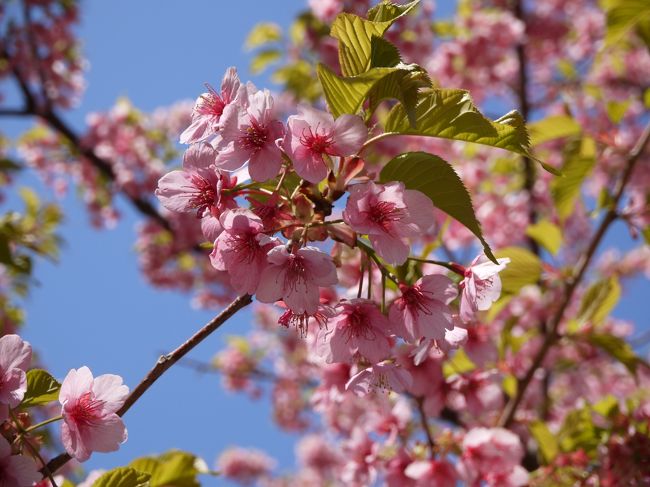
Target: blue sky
[93,307]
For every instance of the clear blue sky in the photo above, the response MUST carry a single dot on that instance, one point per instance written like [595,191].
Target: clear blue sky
[94,308]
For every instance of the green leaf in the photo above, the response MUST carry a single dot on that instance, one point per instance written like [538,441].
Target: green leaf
[42,388]
[606,406]
[524,268]
[510,385]
[547,234]
[403,85]
[551,128]
[451,114]
[624,16]
[355,35]
[616,110]
[175,468]
[599,301]
[389,12]
[460,363]
[578,431]
[546,441]
[437,179]
[123,477]
[347,94]
[263,58]
[383,54]
[577,166]
[617,348]
[263,33]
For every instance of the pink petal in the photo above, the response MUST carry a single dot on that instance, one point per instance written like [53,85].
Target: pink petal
[76,383]
[392,249]
[349,134]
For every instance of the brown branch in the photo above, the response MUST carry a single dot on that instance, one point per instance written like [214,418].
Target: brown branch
[163,364]
[425,426]
[524,107]
[553,336]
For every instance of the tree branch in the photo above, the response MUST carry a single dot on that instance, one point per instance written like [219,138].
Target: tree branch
[425,426]
[552,335]
[163,364]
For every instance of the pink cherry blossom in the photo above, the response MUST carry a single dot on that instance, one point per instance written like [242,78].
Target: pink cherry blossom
[16,470]
[245,465]
[491,454]
[359,327]
[422,310]
[209,107]
[432,472]
[250,132]
[386,375]
[314,133]
[295,277]
[388,214]
[481,286]
[241,249]
[199,188]
[90,422]
[15,358]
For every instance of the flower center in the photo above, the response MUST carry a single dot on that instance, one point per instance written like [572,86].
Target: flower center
[358,325]
[383,213]
[315,142]
[204,195]
[211,104]
[87,409]
[245,246]
[296,273]
[416,300]
[255,137]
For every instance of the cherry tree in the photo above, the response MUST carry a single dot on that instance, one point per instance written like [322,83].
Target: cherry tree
[431,287]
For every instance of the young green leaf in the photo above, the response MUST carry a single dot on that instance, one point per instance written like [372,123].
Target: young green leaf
[263,33]
[347,94]
[547,234]
[355,35]
[546,441]
[175,468]
[578,164]
[551,128]
[42,388]
[599,301]
[451,114]
[624,16]
[123,477]
[525,268]
[617,348]
[437,179]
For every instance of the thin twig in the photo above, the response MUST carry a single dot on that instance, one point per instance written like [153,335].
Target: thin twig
[425,426]
[163,364]
[552,336]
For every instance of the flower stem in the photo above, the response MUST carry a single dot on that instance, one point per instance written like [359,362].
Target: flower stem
[43,423]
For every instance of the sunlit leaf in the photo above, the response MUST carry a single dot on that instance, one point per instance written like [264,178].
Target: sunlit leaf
[451,114]
[123,477]
[524,268]
[577,166]
[263,33]
[547,234]
[546,441]
[553,127]
[42,388]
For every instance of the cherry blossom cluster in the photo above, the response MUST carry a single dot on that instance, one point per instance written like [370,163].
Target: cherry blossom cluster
[235,134]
